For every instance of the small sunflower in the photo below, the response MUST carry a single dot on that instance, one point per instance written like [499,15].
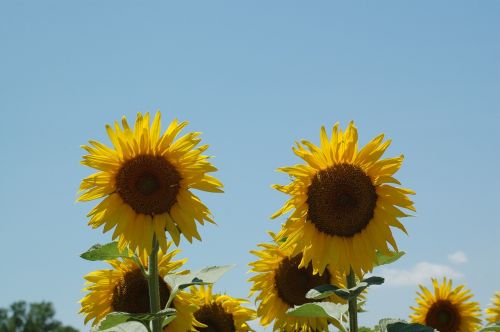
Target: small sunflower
[447,310]
[282,284]
[344,202]
[493,312]
[220,312]
[125,289]
[146,179]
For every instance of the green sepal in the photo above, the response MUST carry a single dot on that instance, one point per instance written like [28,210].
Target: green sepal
[491,327]
[361,306]
[208,275]
[334,311]
[282,240]
[103,252]
[388,259]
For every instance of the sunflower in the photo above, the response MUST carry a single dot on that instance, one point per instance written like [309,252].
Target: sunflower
[125,289]
[146,179]
[220,312]
[493,312]
[282,284]
[447,310]
[344,202]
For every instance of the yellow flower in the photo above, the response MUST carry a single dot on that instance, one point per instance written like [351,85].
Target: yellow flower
[146,179]
[281,284]
[447,310]
[493,312]
[220,312]
[125,289]
[343,202]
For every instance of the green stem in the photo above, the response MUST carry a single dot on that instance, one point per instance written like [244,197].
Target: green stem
[154,289]
[353,304]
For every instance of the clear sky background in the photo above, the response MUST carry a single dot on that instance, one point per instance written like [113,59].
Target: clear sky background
[253,76]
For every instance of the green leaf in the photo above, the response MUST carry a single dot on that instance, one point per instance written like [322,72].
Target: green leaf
[208,275]
[386,321]
[492,327]
[334,311]
[408,327]
[388,259]
[123,327]
[362,285]
[374,280]
[366,329]
[150,316]
[115,318]
[319,309]
[358,289]
[104,252]
[399,325]
[324,291]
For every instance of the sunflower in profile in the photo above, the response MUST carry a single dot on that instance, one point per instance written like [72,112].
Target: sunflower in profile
[124,288]
[493,312]
[344,202]
[447,310]
[146,179]
[219,312]
[281,284]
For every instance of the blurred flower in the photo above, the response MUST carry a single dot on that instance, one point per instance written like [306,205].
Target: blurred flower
[447,310]
[220,312]
[493,312]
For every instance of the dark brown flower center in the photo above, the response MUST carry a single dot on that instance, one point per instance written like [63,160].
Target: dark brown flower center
[215,318]
[149,184]
[341,200]
[443,316]
[131,293]
[293,283]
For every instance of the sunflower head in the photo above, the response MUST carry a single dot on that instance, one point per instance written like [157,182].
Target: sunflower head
[343,202]
[493,312]
[281,283]
[124,288]
[146,178]
[447,309]
[219,312]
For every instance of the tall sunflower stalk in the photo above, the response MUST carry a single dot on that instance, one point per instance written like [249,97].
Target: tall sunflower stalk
[145,180]
[153,285]
[353,303]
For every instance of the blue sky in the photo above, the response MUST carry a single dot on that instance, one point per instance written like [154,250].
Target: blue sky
[253,76]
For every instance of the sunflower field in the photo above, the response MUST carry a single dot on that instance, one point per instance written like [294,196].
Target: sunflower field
[249,166]
[343,203]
